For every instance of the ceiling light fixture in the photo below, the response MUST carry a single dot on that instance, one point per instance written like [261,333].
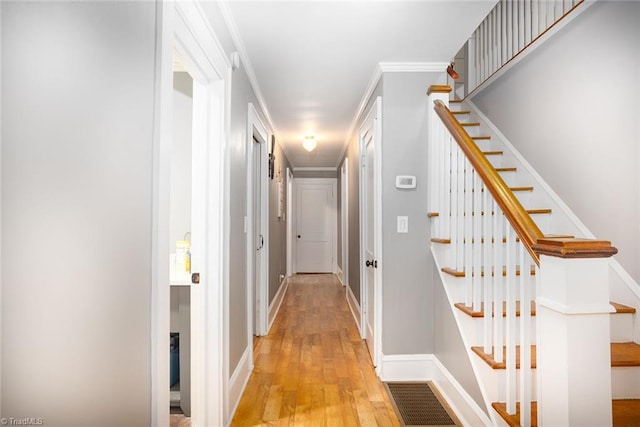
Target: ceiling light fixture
[309,143]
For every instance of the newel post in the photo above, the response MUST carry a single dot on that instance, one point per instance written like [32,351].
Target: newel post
[573,336]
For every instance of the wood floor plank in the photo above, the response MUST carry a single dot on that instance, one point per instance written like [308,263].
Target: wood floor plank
[313,369]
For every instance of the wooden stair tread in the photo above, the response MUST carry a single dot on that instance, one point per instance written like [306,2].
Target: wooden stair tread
[455,101]
[514,420]
[623,354]
[468,124]
[493,153]
[481,138]
[626,413]
[470,312]
[507,169]
[529,211]
[456,273]
[620,309]
[461,112]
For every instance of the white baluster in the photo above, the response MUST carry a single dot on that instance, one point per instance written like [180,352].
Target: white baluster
[445,208]
[477,242]
[510,300]
[460,248]
[468,231]
[489,239]
[498,283]
[525,337]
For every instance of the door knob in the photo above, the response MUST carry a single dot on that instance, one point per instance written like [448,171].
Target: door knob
[368,263]
[195,278]
[298,236]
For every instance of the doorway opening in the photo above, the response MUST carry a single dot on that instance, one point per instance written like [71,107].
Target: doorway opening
[257,225]
[190,254]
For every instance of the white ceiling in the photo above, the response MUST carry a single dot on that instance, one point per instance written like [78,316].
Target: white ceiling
[313,61]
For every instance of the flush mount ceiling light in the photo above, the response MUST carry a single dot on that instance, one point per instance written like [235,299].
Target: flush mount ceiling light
[309,143]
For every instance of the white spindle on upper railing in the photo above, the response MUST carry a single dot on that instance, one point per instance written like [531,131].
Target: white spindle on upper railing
[494,244]
[507,30]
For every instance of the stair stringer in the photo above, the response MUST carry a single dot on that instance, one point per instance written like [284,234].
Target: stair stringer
[623,288]
[487,382]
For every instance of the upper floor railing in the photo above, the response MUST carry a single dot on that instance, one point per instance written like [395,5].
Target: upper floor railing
[510,28]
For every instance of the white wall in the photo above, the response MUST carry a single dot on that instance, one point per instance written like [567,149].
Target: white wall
[571,108]
[180,197]
[77,124]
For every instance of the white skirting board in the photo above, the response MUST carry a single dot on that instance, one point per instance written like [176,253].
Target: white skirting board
[274,307]
[427,367]
[354,306]
[238,382]
[340,276]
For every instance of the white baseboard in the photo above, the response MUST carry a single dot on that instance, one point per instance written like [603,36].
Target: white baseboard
[465,408]
[238,382]
[407,367]
[340,276]
[354,306]
[274,307]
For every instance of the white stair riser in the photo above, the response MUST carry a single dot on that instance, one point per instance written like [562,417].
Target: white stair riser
[622,327]
[625,382]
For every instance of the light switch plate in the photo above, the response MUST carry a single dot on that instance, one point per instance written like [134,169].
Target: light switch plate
[403,224]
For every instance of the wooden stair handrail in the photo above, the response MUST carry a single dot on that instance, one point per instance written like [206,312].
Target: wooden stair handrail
[515,213]
[532,238]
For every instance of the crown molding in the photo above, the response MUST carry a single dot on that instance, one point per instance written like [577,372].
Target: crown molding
[390,67]
[413,67]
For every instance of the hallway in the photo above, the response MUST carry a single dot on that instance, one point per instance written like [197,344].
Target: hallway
[313,368]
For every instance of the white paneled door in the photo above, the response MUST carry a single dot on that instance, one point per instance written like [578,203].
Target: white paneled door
[370,251]
[315,223]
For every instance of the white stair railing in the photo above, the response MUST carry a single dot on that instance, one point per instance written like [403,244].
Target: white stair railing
[493,246]
[511,27]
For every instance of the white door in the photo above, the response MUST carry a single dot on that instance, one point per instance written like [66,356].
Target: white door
[344,222]
[314,227]
[258,243]
[370,217]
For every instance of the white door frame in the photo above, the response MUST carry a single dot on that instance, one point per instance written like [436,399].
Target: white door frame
[375,112]
[257,293]
[183,26]
[334,218]
[344,223]
[289,220]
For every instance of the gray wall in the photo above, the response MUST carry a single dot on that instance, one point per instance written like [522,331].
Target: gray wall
[406,266]
[407,318]
[571,108]
[277,226]
[448,345]
[77,127]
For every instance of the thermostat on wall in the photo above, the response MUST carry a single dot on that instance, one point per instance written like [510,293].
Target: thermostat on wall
[405,181]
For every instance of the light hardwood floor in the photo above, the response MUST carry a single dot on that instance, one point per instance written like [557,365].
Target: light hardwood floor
[313,368]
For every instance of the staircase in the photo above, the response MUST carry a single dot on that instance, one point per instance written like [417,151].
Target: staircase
[492,267]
